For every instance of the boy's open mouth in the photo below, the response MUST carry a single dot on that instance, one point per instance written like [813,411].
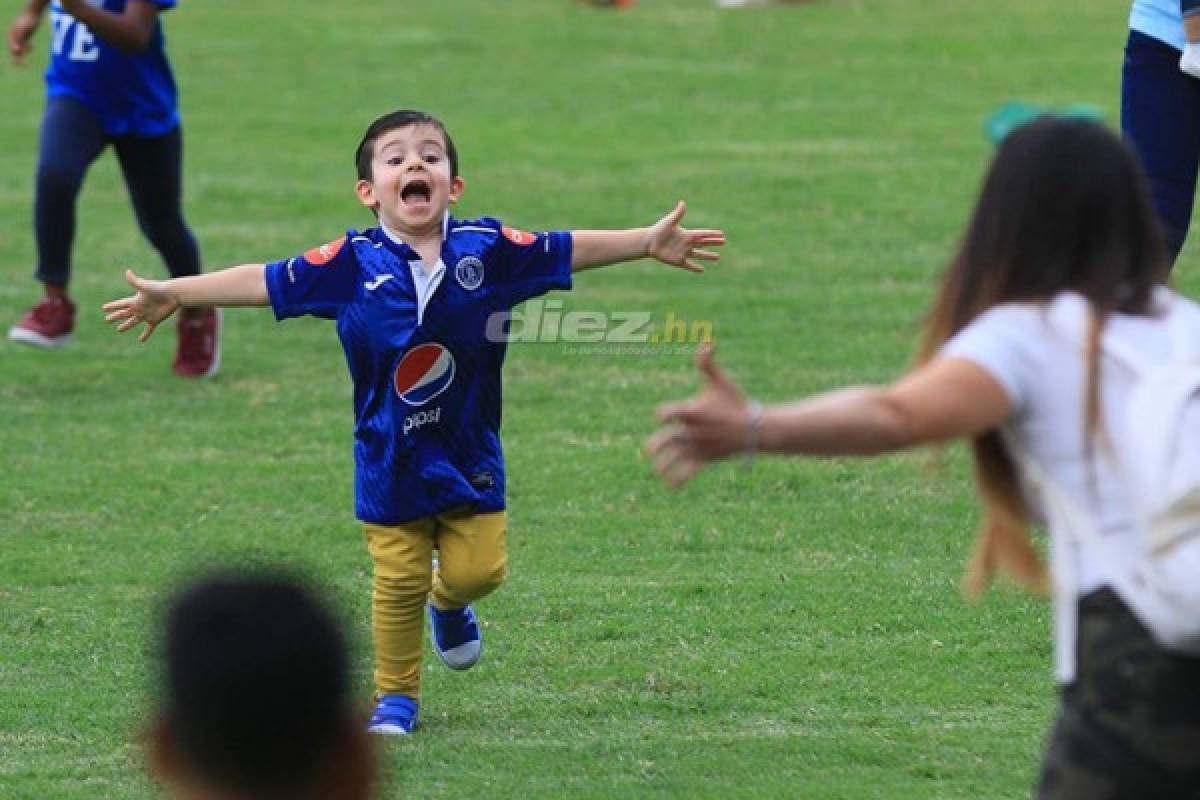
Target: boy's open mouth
[416,192]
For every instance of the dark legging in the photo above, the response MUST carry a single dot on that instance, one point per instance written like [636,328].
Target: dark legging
[71,140]
[1160,115]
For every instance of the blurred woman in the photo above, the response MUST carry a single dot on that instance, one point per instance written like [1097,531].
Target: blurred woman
[1062,254]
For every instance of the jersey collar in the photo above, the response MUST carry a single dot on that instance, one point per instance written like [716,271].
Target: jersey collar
[425,283]
[395,237]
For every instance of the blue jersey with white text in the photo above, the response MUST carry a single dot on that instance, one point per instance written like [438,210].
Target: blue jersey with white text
[130,93]
[1159,19]
[427,398]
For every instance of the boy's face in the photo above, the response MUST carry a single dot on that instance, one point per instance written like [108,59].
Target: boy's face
[411,186]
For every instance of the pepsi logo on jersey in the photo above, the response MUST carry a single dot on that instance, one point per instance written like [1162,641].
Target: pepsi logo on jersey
[423,373]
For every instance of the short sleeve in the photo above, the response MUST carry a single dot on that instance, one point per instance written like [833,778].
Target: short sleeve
[530,264]
[1007,342]
[320,282]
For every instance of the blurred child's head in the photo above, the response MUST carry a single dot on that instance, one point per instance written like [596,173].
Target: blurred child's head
[408,171]
[255,695]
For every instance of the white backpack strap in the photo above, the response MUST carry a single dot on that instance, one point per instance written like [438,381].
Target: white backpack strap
[1168,611]
[1071,526]
[1065,585]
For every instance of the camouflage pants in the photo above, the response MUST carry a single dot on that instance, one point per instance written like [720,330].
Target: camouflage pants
[1129,726]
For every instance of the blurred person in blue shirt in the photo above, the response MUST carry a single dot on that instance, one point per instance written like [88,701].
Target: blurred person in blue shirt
[109,83]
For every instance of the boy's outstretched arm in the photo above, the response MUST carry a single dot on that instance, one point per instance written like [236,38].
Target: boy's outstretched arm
[155,301]
[665,240]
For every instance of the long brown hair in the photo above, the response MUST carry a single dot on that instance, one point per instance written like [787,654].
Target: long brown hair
[1064,206]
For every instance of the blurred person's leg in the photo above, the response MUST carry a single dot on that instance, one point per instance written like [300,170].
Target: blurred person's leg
[153,170]
[71,139]
[1160,115]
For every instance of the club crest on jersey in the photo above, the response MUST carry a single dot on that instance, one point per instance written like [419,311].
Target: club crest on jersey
[423,373]
[518,237]
[325,253]
[469,272]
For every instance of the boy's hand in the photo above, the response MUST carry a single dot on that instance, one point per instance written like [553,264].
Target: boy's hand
[680,247]
[151,305]
[20,34]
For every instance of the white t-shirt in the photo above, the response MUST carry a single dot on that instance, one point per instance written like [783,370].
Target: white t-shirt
[1036,353]
[1160,19]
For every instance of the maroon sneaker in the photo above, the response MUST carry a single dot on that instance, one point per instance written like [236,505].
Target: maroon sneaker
[48,324]
[198,354]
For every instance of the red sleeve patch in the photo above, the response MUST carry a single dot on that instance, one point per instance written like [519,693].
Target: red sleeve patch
[325,253]
[518,237]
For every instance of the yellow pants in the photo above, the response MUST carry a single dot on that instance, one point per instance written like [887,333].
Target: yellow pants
[472,561]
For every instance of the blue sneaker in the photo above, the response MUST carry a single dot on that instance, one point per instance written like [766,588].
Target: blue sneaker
[395,715]
[456,636]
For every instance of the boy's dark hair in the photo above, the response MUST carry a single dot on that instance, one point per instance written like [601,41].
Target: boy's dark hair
[389,122]
[255,681]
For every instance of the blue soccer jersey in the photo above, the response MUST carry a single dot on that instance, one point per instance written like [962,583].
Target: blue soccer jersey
[130,93]
[425,360]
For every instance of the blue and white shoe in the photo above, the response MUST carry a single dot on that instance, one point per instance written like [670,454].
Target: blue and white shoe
[395,715]
[456,636]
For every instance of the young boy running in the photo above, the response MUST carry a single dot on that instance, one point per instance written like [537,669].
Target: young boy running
[416,301]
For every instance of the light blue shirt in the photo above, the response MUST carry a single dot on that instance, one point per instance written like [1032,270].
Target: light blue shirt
[1160,19]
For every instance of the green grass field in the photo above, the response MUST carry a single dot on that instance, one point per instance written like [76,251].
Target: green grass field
[790,630]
